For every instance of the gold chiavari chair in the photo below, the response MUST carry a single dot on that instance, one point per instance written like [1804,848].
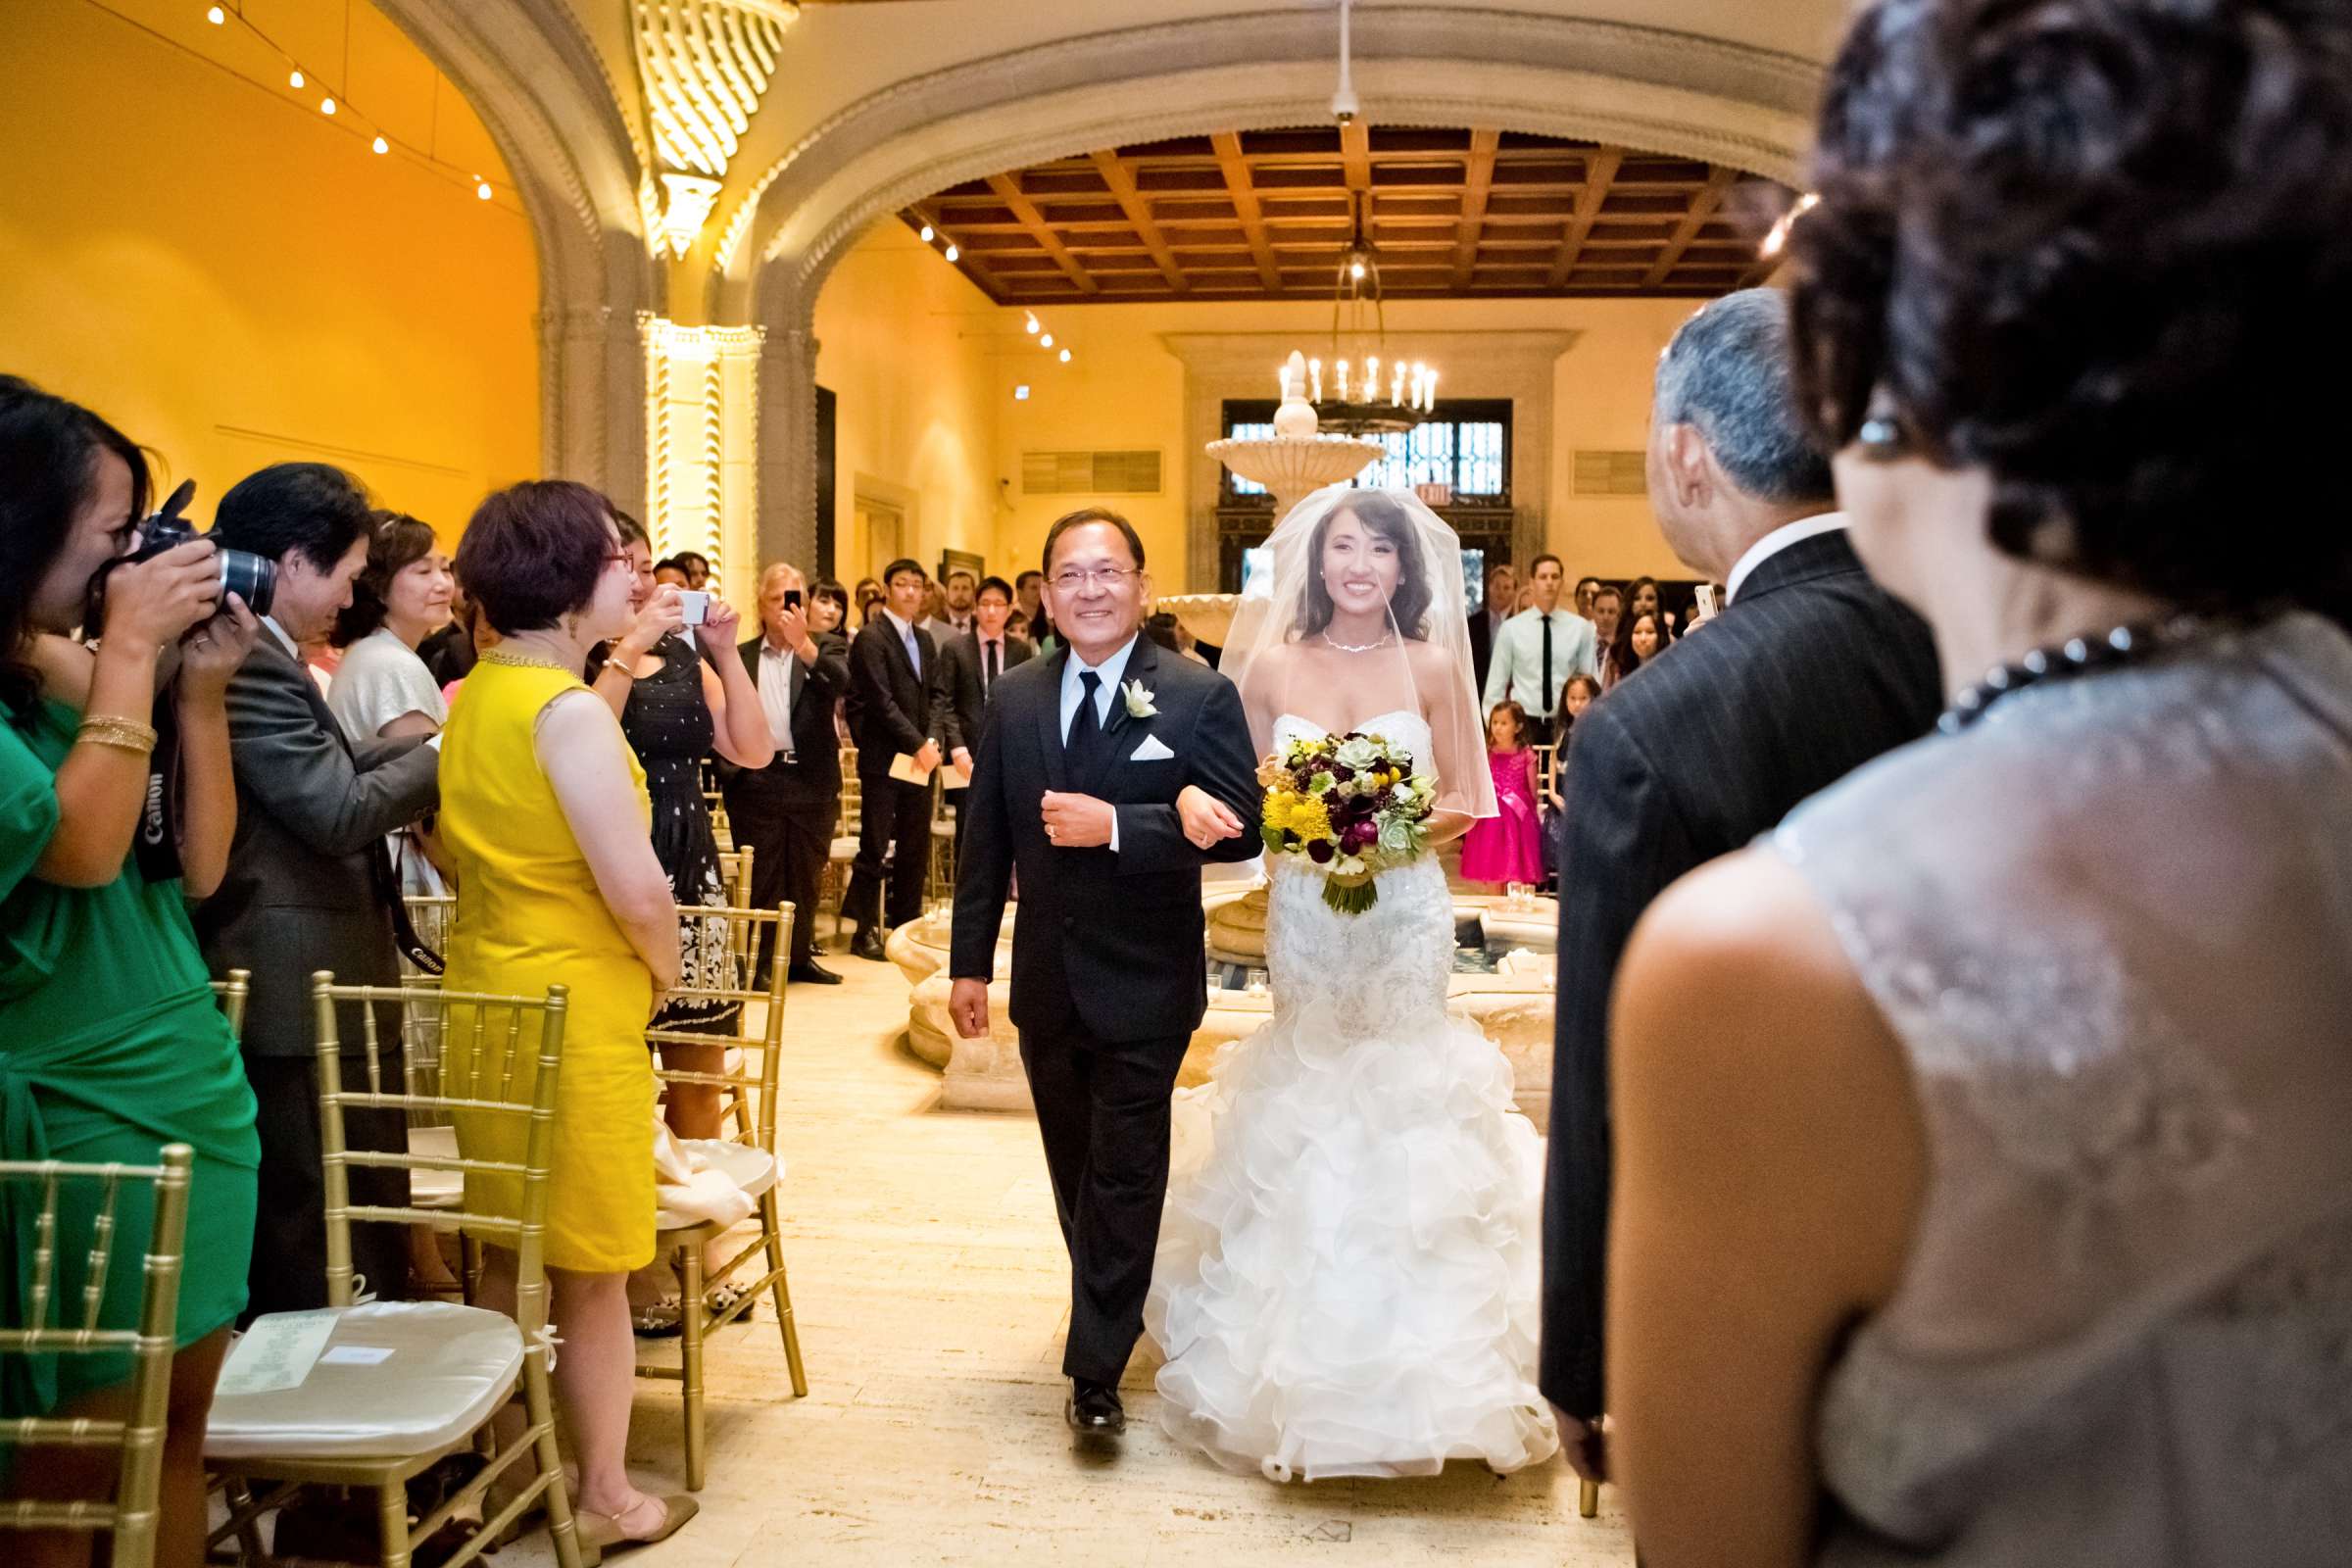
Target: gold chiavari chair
[418,1380]
[746,1085]
[432,916]
[134,1514]
[844,852]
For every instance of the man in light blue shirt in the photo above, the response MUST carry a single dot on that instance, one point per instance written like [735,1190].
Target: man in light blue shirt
[1538,649]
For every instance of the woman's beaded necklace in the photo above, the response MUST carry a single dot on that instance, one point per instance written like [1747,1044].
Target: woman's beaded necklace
[2075,657]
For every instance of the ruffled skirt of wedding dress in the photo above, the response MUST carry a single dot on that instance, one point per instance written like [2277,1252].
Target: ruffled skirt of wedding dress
[1348,1282]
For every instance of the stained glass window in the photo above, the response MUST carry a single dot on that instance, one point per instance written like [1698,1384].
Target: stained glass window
[1469,451]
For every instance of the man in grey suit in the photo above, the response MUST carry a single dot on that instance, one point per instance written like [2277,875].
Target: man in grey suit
[309,884]
[1810,672]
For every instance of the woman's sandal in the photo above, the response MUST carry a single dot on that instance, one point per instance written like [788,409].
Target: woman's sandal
[601,1533]
[662,1319]
[721,1299]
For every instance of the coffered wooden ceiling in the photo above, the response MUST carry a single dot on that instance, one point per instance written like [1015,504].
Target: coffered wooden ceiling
[1265,215]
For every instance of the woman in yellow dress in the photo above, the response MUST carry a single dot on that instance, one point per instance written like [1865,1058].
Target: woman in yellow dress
[544,811]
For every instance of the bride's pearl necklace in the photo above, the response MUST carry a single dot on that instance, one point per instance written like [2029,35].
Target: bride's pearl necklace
[1359,648]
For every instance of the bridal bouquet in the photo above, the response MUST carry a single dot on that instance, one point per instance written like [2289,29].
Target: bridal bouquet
[1349,807]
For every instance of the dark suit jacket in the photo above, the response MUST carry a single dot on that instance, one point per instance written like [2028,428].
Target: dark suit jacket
[1114,938]
[311,811]
[1482,647]
[814,775]
[967,700]
[892,709]
[1809,673]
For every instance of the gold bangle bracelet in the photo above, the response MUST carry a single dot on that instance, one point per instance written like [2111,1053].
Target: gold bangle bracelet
[122,734]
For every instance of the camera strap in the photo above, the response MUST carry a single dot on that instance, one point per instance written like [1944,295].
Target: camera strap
[404,930]
[155,846]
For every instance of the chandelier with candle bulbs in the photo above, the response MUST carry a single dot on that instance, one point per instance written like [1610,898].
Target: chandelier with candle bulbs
[1359,388]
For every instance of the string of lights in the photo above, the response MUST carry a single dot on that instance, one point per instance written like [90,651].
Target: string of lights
[1031,324]
[310,85]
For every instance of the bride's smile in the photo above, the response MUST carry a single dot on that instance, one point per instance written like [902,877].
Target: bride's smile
[1360,569]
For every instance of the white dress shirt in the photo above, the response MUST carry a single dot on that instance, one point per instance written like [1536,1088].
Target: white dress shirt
[1773,543]
[1073,691]
[999,642]
[1517,668]
[775,694]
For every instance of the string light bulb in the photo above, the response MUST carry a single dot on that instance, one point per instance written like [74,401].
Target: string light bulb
[926,234]
[382,146]
[1046,342]
[1065,356]
[953,253]
[217,16]
[482,190]
[326,106]
[1031,325]
[294,80]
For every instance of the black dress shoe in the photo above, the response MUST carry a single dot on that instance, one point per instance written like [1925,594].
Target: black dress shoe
[867,944]
[812,973]
[1095,1411]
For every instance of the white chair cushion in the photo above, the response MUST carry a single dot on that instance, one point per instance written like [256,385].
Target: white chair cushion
[754,1170]
[435,1189]
[450,1368]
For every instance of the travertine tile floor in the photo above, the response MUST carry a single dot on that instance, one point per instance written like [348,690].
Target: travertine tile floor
[929,1282]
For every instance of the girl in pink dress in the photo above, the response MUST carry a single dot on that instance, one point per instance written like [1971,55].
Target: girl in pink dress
[1508,847]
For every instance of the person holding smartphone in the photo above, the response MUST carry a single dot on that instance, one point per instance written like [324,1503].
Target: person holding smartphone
[785,811]
[678,698]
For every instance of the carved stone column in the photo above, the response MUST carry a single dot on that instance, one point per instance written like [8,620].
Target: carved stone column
[787,491]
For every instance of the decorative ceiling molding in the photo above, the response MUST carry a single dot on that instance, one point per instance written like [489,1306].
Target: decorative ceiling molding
[1741,106]
[704,66]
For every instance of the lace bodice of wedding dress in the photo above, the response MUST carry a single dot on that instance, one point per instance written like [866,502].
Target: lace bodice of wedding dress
[1346,1278]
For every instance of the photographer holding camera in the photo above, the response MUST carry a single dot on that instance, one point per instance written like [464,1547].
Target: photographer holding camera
[111,1045]
[308,885]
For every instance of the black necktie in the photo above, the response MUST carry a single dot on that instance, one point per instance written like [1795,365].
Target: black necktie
[1548,663]
[992,666]
[1086,729]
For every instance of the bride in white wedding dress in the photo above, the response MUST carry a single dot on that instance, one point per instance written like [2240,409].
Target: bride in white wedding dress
[1347,1280]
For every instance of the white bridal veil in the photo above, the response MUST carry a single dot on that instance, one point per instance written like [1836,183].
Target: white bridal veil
[1281,655]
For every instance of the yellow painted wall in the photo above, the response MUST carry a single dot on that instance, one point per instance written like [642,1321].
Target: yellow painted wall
[1123,388]
[903,342]
[235,280]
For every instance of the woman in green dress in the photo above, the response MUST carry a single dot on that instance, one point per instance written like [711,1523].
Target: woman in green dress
[111,1045]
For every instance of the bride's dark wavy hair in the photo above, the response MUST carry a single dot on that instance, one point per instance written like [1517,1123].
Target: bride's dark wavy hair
[1386,517]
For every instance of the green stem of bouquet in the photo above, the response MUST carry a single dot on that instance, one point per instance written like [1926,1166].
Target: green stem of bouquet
[1351,895]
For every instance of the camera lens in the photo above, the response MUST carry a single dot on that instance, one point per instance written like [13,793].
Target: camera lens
[250,577]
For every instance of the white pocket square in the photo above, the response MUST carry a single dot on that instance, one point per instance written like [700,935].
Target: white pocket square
[1154,750]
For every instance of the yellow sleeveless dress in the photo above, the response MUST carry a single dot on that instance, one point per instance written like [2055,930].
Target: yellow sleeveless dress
[530,916]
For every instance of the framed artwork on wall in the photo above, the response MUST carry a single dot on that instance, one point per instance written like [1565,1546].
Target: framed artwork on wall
[951,562]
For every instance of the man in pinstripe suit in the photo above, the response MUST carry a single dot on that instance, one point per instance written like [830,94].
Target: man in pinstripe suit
[1808,672]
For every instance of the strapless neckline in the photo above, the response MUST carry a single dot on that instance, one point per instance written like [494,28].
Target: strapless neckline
[1371,725]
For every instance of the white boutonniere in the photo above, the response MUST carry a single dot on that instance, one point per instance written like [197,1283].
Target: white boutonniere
[1139,701]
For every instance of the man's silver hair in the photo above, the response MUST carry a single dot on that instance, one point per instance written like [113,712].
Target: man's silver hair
[1726,374]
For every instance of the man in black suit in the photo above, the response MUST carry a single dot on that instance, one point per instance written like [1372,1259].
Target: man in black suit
[309,884]
[784,813]
[1501,604]
[897,692]
[1086,760]
[974,663]
[1810,672]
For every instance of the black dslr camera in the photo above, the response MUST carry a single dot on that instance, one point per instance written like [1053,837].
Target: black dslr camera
[250,577]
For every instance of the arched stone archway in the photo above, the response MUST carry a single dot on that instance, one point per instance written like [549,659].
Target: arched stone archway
[543,93]
[1663,91]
